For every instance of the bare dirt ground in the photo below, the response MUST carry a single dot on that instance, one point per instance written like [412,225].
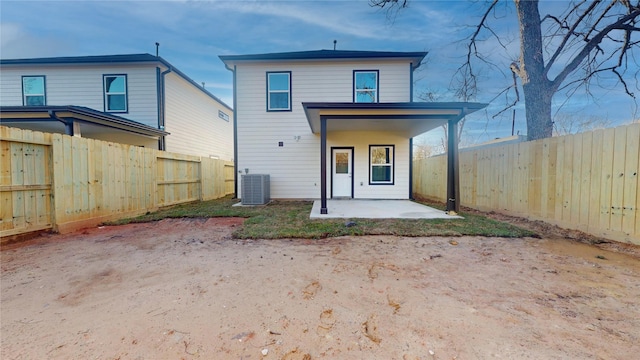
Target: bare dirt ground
[183,289]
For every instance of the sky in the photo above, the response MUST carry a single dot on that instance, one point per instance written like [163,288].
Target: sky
[192,34]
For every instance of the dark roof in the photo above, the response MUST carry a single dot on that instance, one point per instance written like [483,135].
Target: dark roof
[327,55]
[411,118]
[98,59]
[109,59]
[421,105]
[91,115]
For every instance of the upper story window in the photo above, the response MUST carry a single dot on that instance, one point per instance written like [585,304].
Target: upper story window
[279,91]
[223,115]
[365,86]
[381,167]
[33,91]
[115,93]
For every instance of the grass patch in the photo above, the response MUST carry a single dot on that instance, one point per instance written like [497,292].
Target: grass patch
[290,219]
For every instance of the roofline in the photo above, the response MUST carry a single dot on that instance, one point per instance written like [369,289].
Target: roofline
[472,106]
[190,80]
[324,55]
[111,59]
[92,59]
[449,111]
[83,111]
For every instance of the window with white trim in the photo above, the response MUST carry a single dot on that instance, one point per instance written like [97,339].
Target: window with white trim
[115,93]
[381,164]
[365,86]
[33,91]
[279,91]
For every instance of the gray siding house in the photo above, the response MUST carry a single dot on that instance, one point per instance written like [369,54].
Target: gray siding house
[137,99]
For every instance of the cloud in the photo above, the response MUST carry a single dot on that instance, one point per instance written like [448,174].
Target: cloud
[349,18]
[193,33]
[16,43]
[309,15]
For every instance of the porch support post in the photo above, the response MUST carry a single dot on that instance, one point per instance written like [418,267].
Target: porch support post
[76,128]
[323,165]
[453,190]
[410,168]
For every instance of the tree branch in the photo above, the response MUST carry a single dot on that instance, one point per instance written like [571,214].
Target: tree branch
[469,85]
[602,16]
[382,3]
[620,24]
[398,5]
[514,70]
[570,33]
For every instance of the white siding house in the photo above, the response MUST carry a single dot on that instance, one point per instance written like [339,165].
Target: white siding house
[190,114]
[165,108]
[331,124]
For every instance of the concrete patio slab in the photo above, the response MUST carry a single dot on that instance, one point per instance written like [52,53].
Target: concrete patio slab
[377,209]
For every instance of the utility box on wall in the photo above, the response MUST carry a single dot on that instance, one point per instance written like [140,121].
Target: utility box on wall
[255,189]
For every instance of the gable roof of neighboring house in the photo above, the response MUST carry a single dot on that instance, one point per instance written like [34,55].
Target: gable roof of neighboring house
[415,57]
[110,59]
[56,113]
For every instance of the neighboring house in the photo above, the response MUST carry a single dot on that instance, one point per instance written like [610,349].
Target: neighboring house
[137,99]
[332,124]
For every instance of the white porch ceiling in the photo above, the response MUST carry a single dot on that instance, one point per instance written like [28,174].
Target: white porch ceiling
[410,119]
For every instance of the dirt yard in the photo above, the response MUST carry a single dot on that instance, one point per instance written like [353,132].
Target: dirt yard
[183,289]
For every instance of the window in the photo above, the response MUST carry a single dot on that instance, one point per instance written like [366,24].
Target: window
[33,91]
[279,91]
[222,115]
[381,164]
[115,93]
[342,162]
[365,86]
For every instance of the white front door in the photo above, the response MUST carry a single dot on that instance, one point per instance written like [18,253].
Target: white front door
[342,177]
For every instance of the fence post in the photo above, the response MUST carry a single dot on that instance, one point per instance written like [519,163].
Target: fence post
[57,188]
[201,173]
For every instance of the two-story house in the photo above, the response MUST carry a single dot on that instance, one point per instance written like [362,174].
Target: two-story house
[137,99]
[332,124]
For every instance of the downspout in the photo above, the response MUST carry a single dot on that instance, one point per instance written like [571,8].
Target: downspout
[162,108]
[235,135]
[68,124]
[411,70]
[235,130]
[159,102]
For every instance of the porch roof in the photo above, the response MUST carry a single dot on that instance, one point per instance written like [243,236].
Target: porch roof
[409,118]
[52,119]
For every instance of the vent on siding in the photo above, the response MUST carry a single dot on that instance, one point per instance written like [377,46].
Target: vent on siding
[255,189]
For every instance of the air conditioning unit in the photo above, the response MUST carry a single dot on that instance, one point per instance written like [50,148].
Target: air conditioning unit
[255,189]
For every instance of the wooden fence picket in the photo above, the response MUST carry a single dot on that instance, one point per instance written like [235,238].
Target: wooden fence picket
[587,181]
[63,183]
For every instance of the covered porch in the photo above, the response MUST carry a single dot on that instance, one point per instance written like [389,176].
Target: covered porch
[377,209]
[407,119]
[81,121]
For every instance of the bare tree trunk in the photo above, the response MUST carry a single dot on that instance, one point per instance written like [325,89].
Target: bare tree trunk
[535,85]
[538,112]
[586,39]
